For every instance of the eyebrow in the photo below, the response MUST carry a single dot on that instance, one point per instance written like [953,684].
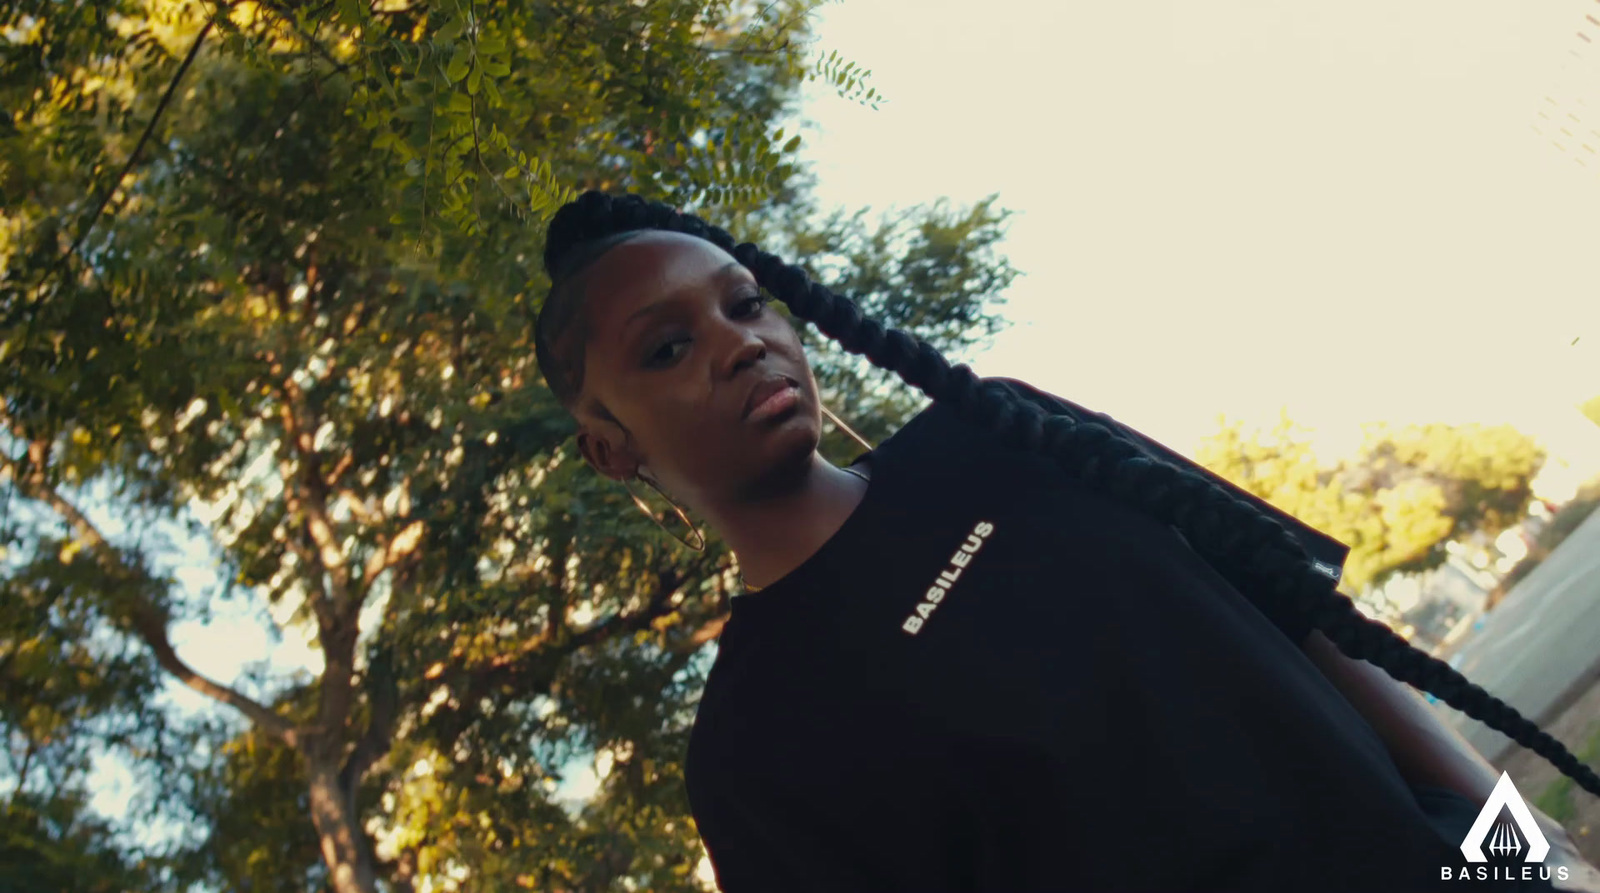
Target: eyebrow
[659,306]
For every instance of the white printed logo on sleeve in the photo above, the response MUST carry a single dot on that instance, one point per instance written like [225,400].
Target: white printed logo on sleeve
[947,578]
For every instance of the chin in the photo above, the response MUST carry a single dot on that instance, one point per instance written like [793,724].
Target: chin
[781,455]
[791,440]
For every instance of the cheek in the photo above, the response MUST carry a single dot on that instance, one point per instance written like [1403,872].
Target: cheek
[702,454]
[674,424]
[786,341]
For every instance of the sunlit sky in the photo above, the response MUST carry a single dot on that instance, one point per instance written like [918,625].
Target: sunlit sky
[1344,209]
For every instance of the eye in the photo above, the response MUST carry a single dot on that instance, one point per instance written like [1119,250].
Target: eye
[748,306]
[665,354]
[751,305]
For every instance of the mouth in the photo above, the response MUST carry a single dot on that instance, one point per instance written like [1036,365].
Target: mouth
[771,397]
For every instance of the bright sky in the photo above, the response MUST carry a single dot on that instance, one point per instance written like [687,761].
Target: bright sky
[1226,207]
[1234,206]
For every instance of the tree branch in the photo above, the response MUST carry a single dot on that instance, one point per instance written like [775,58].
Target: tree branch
[315,505]
[317,591]
[151,624]
[383,696]
[148,620]
[383,693]
[337,629]
[403,544]
[287,18]
[548,650]
[667,582]
[702,634]
[27,763]
[149,128]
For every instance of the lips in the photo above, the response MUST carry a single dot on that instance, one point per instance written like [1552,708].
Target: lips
[764,390]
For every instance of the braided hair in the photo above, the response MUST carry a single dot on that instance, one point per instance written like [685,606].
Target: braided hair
[1251,550]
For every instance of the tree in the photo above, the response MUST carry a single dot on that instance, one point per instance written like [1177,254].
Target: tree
[270,267]
[1591,409]
[50,844]
[1407,493]
[69,692]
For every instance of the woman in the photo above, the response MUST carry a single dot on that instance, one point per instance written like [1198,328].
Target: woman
[1013,647]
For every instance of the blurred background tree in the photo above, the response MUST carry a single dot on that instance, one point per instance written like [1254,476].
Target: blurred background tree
[267,273]
[1591,409]
[54,843]
[1406,493]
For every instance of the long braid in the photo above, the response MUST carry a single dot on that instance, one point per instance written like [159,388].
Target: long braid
[1250,549]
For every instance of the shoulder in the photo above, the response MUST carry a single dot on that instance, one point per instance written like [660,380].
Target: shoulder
[1023,389]
[1051,403]
[1328,553]
[1055,404]
[943,423]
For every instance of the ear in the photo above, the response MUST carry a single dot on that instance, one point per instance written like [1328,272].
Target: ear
[605,447]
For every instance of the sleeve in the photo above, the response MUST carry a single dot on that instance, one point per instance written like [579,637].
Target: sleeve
[1328,554]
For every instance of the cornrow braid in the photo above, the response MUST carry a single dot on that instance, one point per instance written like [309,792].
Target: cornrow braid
[1251,550]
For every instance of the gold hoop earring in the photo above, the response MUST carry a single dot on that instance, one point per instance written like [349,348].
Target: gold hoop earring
[839,423]
[652,515]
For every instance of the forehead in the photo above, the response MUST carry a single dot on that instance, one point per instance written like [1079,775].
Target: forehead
[651,267]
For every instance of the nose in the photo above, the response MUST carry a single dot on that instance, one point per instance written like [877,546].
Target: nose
[741,346]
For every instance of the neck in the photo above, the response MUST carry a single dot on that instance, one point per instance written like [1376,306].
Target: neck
[776,533]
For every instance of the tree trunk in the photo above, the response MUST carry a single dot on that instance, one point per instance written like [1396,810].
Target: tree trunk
[344,849]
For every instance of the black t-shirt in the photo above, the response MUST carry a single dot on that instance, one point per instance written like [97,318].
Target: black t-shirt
[991,679]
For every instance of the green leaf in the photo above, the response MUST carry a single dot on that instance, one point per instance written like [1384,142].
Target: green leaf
[459,65]
[419,138]
[450,33]
[388,85]
[229,405]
